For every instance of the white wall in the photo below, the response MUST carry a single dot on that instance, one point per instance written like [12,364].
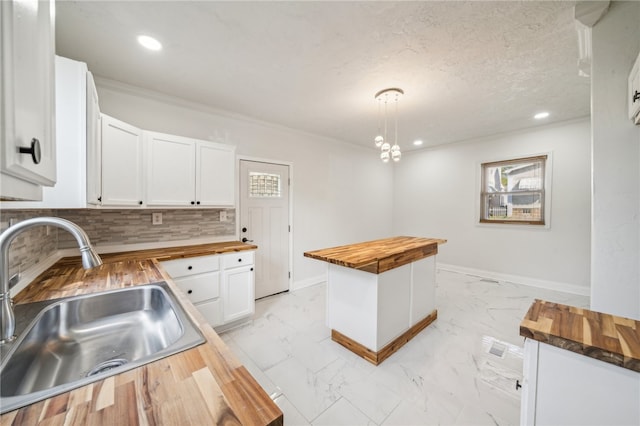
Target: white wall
[615,273]
[340,191]
[437,195]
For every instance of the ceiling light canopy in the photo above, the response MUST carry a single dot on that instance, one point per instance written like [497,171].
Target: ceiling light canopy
[388,151]
[541,115]
[149,42]
[417,142]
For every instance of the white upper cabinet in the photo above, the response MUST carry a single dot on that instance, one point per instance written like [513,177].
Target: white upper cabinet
[215,174]
[122,164]
[188,172]
[27,109]
[170,170]
[71,137]
[634,92]
[94,146]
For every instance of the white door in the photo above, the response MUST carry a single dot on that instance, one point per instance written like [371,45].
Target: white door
[264,220]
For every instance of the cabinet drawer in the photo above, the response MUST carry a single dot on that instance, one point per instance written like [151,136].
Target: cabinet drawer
[211,311]
[192,265]
[200,287]
[234,260]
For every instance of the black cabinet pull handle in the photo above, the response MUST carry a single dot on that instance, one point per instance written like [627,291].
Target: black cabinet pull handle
[244,240]
[636,96]
[518,385]
[189,291]
[34,150]
[100,198]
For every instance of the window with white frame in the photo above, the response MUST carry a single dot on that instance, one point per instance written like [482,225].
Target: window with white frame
[513,191]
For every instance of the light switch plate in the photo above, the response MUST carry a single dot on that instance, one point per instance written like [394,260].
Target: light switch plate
[156,218]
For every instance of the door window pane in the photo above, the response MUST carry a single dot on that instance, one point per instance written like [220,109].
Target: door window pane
[264,185]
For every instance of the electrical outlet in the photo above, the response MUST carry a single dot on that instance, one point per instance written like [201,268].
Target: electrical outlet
[156,218]
[223,216]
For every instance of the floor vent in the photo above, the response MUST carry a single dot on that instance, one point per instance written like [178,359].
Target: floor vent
[497,349]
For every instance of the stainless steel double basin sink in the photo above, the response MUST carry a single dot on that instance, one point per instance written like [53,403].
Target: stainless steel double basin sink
[67,343]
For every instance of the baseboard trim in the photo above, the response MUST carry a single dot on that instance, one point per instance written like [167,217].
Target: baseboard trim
[377,357]
[518,279]
[318,279]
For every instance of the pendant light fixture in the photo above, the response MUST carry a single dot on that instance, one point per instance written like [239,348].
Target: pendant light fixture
[388,151]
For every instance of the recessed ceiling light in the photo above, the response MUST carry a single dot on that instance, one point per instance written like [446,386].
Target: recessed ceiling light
[149,42]
[541,115]
[417,142]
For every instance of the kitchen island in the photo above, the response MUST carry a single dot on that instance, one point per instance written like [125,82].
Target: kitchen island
[202,385]
[581,367]
[380,294]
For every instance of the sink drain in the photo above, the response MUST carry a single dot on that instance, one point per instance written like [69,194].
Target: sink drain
[106,366]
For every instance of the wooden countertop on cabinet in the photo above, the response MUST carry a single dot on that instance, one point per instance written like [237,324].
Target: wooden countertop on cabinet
[204,385]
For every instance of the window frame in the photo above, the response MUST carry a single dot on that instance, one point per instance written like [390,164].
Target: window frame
[545,192]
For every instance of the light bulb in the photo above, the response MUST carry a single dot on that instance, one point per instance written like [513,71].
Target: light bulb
[395,148]
[395,155]
[379,140]
[384,156]
[386,147]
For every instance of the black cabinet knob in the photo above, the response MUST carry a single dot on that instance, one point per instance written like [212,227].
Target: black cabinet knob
[189,267]
[198,202]
[34,150]
[240,260]
[189,291]
[244,229]
[252,269]
[193,202]
[140,202]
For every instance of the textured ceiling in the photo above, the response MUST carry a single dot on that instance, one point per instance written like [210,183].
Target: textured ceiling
[468,69]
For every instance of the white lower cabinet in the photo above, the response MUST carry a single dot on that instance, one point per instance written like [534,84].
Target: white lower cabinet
[221,287]
[561,387]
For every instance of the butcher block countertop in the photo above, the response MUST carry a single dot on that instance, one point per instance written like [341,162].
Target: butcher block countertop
[204,385]
[605,337]
[379,256]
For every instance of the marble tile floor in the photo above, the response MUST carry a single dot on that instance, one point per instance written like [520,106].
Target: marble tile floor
[461,370]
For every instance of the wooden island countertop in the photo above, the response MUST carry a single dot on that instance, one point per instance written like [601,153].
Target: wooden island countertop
[379,256]
[605,337]
[204,385]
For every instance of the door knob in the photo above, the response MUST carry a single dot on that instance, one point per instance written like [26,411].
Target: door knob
[244,240]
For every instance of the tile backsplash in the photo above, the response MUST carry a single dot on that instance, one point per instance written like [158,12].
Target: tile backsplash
[111,227]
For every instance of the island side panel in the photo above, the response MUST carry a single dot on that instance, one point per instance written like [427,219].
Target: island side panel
[423,289]
[394,305]
[352,302]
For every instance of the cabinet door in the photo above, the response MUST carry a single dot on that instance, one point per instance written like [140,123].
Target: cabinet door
[27,90]
[122,174]
[215,174]
[237,293]
[94,149]
[170,170]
